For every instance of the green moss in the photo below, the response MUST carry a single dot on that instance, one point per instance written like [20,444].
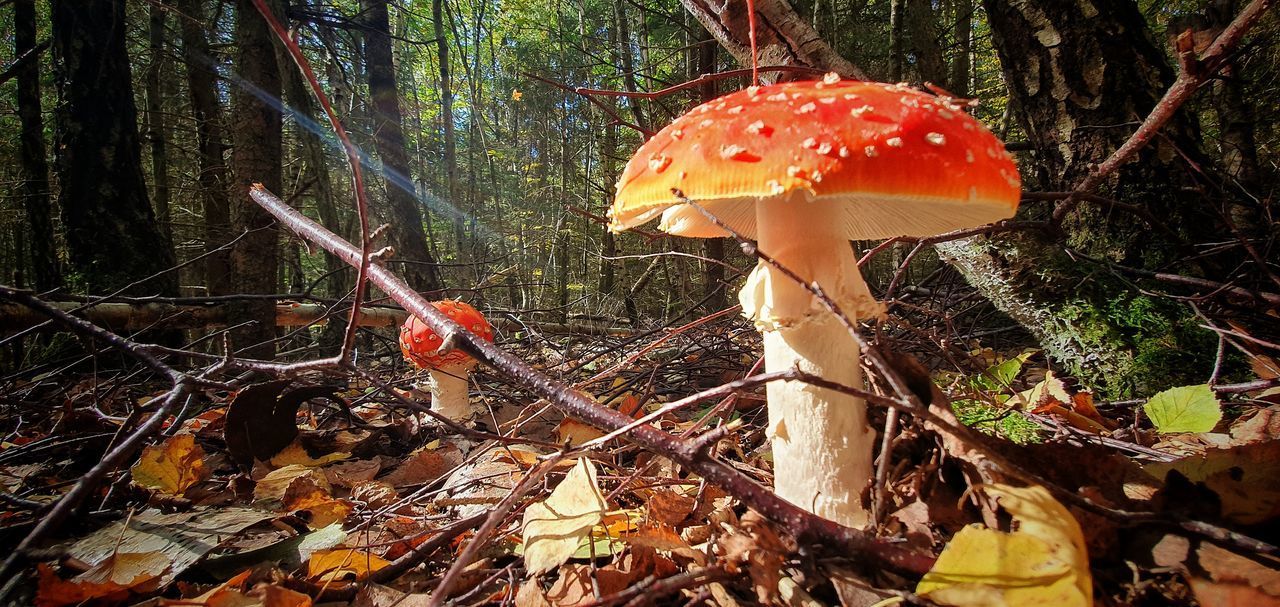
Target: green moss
[997,421]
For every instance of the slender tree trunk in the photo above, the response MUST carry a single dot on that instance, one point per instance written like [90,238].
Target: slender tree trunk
[623,40]
[922,27]
[713,286]
[897,9]
[446,116]
[962,63]
[406,217]
[156,122]
[212,168]
[255,158]
[316,169]
[111,232]
[33,180]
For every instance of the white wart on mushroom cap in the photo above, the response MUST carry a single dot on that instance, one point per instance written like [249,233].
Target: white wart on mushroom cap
[892,160]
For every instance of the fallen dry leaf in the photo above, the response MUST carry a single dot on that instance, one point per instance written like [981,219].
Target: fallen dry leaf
[175,540]
[110,580]
[1245,478]
[554,527]
[342,565]
[1042,562]
[377,595]
[273,486]
[425,465]
[324,508]
[296,455]
[172,466]
[754,547]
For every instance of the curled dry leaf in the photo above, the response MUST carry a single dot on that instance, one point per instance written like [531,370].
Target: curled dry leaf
[554,527]
[1042,562]
[273,486]
[754,547]
[171,467]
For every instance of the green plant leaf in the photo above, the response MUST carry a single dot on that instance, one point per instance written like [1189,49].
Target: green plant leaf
[1184,409]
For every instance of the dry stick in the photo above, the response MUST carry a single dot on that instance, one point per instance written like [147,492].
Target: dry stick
[182,383]
[357,179]
[909,402]
[805,525]
[1194,73]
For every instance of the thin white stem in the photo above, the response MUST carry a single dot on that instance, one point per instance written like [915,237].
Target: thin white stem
[449,391]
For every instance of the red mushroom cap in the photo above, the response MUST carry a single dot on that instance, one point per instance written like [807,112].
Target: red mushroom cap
[419,343]
[897,161]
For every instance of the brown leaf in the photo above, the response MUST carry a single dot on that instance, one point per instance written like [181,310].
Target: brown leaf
[324,509]
[377,595]
[351,473]
[669,507]
[110,580]
[342,565]
[276,483]
[754,547]
[1262,426]
[530,594]
[172,466]
[424,466]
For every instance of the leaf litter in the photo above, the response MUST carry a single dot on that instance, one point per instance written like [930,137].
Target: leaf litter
[289,493]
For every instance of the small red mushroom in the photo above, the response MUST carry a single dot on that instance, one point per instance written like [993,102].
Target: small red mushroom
[448,369]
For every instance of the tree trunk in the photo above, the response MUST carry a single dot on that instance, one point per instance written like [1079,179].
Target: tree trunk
[958,83]
[713,285]
[922,27]
[111,232]
[897,10]
[33,176]
[1069,70]
[212,168]
[156,123]
[255,158]
[406,218]
[316,167]
[446,116]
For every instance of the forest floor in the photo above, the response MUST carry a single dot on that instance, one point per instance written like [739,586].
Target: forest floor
[330,490]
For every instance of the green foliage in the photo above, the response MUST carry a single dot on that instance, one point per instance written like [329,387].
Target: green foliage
[1184,409]
[985,404]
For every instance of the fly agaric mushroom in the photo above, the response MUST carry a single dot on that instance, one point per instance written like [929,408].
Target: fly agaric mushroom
[805,167]
[448,369]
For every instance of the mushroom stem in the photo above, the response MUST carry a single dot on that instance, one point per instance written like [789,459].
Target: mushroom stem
[821,441]
[449,391]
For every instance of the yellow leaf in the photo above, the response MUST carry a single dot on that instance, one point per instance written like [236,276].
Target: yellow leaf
[1043,562]
[553,528]
[172,466]
[343,564]
[324,509]
[294,454]
[516,95]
